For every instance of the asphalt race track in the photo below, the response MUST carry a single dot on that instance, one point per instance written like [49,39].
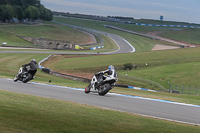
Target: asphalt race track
[184,113]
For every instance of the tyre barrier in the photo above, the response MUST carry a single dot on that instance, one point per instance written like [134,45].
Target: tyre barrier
[94,48]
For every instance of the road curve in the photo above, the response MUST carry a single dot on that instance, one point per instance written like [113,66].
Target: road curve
[154,108]
[124,46]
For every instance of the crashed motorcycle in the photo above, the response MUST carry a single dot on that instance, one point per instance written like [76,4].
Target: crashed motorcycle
[23,75]
[101,83]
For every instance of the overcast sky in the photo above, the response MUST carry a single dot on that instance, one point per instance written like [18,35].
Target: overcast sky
[172,10]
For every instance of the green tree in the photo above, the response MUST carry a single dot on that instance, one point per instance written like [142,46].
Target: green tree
[4,2]
[45,14]
[6,12]
[32,13]
[31,9]
[19,13]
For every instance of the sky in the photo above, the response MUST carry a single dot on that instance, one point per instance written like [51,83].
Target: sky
[172,10]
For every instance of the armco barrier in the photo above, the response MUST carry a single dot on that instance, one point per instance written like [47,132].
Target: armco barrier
[175,26]
[39,64]
[47,70]
[137,88]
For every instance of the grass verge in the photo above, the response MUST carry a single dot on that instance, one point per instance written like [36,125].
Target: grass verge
[25,113]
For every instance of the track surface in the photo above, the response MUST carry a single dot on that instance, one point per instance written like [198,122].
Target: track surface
[181,113]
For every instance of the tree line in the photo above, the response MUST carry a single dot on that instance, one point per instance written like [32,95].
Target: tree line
[22,9]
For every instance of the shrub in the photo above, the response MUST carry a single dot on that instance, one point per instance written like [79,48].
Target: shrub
[128,66]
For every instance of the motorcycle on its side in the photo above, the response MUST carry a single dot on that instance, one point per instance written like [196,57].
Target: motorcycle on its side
[23,75]
[102,84]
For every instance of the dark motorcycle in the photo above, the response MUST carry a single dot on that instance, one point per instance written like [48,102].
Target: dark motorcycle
[23,75]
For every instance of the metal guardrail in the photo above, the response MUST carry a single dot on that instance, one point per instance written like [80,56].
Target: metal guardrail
[184,89]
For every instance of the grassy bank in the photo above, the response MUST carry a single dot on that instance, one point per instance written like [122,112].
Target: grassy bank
[25,113]
[54,32]
[13,40]
[187,35]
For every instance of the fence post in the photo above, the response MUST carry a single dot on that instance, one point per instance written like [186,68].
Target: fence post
[169,87]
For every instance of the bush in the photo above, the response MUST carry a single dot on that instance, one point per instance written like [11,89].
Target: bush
[128,66]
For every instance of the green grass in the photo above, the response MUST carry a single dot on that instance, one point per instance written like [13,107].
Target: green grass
[13,40]
[51,31]
[140,58]
[187,35]
[179,74]
[54,32]
[25,113]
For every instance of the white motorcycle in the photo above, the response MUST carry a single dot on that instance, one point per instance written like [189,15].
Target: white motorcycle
[101,83]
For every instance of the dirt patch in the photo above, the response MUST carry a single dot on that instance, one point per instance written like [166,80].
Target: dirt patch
[163,47]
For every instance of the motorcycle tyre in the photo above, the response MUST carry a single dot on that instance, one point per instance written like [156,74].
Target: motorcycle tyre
[27,78]
[87,89]
[15,79]
[104,90]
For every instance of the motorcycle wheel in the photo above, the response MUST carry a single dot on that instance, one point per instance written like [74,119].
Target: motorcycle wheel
[25,80]
[104,90]
[15,79]
[87,89]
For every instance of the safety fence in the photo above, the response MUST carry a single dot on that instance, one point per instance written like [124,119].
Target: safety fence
[184,89]
[171,88]
[177,26]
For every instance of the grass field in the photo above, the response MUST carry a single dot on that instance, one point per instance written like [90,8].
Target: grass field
[54,32]
[187,35]
[13,40]
[25,113]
